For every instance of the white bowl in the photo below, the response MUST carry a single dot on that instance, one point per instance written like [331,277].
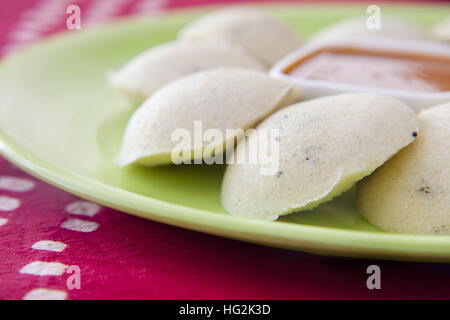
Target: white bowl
[310,88]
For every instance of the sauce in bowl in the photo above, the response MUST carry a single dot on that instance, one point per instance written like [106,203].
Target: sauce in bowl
[374,68]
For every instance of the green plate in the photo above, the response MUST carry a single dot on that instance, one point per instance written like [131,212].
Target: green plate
[60,121]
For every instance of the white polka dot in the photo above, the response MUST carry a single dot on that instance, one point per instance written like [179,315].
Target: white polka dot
[79,225]
[45,294]
[49,245]
[83,208]
[8,203]
[3,221]
[40,268]
[16,184]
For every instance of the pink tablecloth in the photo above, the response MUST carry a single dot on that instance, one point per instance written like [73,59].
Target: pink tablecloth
[48,237]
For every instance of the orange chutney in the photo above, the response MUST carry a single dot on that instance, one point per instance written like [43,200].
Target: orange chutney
[373,68]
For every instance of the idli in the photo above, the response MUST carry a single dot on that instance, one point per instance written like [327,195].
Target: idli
[325,146]
[411,192]
[218,99]
[441,31]
[258,33]
[150,70]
